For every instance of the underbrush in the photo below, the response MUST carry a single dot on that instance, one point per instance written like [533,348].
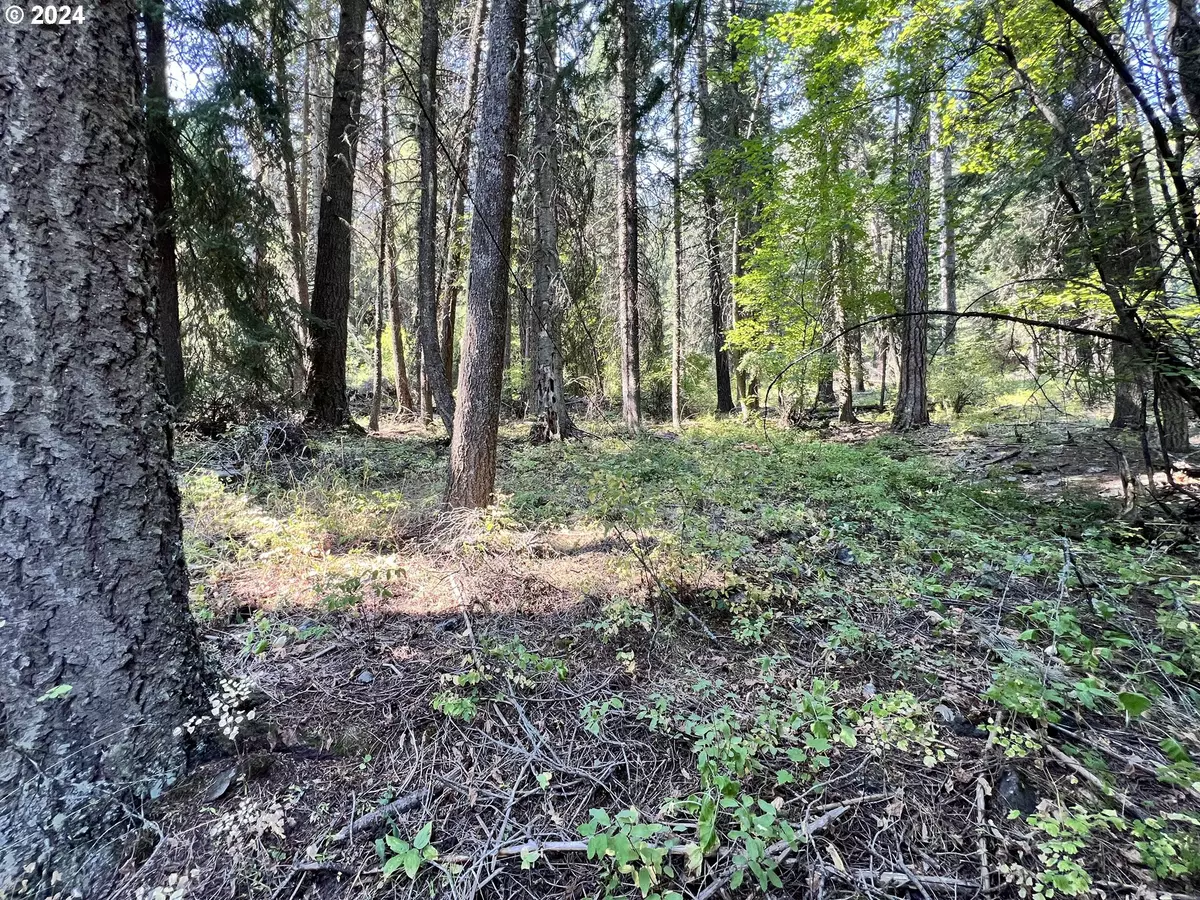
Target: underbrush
[797,666]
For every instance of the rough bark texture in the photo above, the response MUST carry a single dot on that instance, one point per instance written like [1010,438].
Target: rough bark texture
[677,235]
[947,253]
[1172,420]
[627,217]
[159,173]
[326,391]
[404,400]
[712,244]
[549,400]
[453,258]
[473,445]
[1183,33]
[93,588]
[434,371]
[912,399]
[292,192]
[377,333]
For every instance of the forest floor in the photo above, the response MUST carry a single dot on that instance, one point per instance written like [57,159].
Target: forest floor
[742,660]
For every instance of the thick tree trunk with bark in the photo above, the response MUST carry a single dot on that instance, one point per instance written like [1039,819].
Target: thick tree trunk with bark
[947,253]
[433,370]
[93,588]
[453,257]
[548,399]
[472,475]
[712,243]
[677,232]
[292,195]
[912,398]
[377,343]
[627,217]
[404,400]
[1183,34]
[159,143]
[326,390]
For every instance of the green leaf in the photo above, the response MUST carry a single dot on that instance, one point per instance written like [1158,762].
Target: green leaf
[396,844]
[1134,704]
[421,841]
[55,693]
[412,862]
[543,779]
[390,867]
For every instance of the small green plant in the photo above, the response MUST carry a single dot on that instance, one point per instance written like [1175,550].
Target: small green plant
[594,713]
[629,847]
[1061,833]
[398,854]
[1169,844]
[900,721]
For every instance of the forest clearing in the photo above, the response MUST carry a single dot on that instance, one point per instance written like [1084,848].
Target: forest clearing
[661,449]
[901,649]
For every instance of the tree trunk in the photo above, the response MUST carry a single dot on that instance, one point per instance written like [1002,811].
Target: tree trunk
[377,346]
[452,250]
[159,142]
[1183,34]
[296,229]
[912,399]
[627,217]
[712,243]
[99,654]
[404,400]
[947,257]
[433,370]
[326,391]
[677,229]
[472,474]
[1172,420]
[549,399]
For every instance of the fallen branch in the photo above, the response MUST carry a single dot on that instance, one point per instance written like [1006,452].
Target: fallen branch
[778,850]
[1091,778]
[899,879]
[366,823]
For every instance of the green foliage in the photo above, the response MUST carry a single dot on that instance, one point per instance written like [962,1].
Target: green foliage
[400,855]
[1061,833]
[626,846]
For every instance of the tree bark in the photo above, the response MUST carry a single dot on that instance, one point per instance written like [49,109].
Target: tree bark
[450,276]
[947,254]
[712,242]
[1183,34]
[296,228]
[627,217]
[159,142]
[326,390]
[404,400]
[912,398]
[549,399]
[472,475]
[677,229]
[93,587]
[433,370]
[377,343]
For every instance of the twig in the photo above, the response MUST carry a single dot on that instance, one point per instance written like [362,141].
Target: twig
[304,867]
[980,804]
[912,876]
[1091,778]
[899,879]
[778,850]
[376,816]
